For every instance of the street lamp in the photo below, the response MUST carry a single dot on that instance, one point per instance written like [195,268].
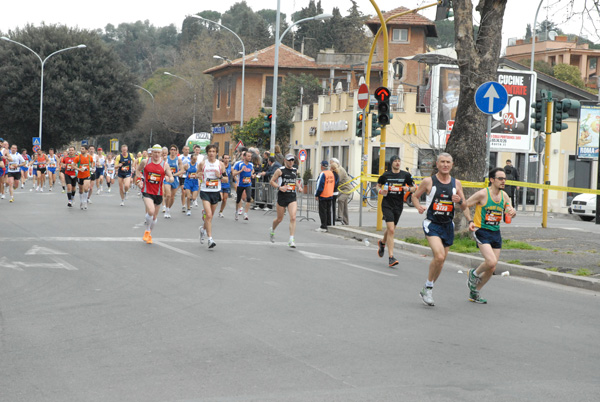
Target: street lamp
[42,74]
[153,107]
[278,40]
[216,56]
[243,62]
[191,86]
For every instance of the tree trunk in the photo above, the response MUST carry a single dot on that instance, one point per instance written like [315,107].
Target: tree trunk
[478,63]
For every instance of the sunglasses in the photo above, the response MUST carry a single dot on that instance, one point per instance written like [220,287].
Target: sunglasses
[499,178]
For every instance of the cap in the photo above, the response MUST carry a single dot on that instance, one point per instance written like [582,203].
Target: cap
[325,163]
[394,157]
[157,147]
[99,149]
[290,157]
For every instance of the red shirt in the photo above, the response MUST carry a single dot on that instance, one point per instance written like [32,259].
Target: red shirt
[154,173]
[68,160]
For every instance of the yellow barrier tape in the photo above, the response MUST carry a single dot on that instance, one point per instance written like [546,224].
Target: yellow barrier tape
[471,184]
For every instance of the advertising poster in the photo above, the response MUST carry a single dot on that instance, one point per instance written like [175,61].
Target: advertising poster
[510,127]
[588,133]
[201,139]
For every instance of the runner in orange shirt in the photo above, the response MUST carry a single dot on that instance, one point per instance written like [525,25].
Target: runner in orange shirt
[83,165]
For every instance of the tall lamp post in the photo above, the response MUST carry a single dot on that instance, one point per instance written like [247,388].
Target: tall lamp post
[276,66]
[42,61]
[243,63]
[153,107]
[191,86]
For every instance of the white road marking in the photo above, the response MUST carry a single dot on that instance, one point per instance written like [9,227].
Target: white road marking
[367,269]
[316,256]
[37,250]
[177,250]
[19,265]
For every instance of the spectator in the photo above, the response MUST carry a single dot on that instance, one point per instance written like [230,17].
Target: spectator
[345,187]
[324,195]
[278,155]
[511,174]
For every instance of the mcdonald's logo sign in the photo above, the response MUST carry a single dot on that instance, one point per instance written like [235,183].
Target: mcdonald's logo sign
[410,127]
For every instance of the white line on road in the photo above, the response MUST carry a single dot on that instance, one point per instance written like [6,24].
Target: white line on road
[367,269]
[177,250]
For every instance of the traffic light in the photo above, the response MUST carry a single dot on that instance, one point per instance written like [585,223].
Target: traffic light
[382,94]
[560,113]
[359,124]
[444,10]
[267,124]
[539,114]
[375,126]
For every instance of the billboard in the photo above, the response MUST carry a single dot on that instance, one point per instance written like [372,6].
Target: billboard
[588,132]
[510,126]
[201,139]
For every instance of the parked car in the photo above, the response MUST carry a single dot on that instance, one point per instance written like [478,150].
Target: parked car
[584,205]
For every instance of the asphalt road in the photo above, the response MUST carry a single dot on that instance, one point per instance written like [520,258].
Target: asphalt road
[89,312]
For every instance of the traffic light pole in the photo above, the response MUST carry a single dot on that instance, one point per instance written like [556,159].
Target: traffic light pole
[366,148]
[549,120]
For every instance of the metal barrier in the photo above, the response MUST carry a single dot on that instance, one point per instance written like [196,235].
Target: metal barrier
[264,196]
[307,202]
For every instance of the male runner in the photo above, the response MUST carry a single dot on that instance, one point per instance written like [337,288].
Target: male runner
[285,180]
[392,185]
[70,175]
[94,156]
[154,171]
[245,169]
[225,186]
[15,161]
[191,186]
[42,161]
[185,158]
[100,164]
[83,165]
[25,169]
[110,170]
[171,188]
[124,164]
[491,204]
[442,191]
[212,172]
[52,165]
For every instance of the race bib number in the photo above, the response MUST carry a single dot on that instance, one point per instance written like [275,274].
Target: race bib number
[395,188]
[125,168]
[212,183]
[192,176]
[173,169]
[443,206]
[110,171]
[291,187]
[247,180]
[153,178]
[84,167]
[493,218]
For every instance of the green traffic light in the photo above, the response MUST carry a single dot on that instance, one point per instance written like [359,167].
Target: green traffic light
[561,109]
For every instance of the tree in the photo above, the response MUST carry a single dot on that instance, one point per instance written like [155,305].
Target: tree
[315,31]
[252,132]
[445,32]
[250,26]
[540,66]
[569,74]
[87,92]
[478,63]
[528,32]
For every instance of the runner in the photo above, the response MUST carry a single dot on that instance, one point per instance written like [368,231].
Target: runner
[190,185]
[62,172]
[225,186]
[490,204]
[25,169]
[52,165]
[171,188]
[94,156]
[245,170]
[67,165]
[212,173]
[83,163]
[123,164]
[185,158]
[110,171]
[285,180]
[442,191]
[100,164]
[392,185]
[15,161]
[153,171]
[42,161]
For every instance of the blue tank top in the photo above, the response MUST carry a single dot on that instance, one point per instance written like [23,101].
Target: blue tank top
[440,208]
[191,174]
[173,164]
[228,172]
[245,174]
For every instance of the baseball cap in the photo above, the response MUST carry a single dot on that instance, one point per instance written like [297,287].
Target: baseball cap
[290,157]
[325,163]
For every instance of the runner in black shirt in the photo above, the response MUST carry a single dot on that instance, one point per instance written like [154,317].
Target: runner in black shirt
[392,185]
[285,180]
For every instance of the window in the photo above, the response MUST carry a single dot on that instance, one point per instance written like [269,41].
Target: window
[218,94]
[229,92]
[580,175]
[389,152]
[268,99]
[426,163]
[399,35]
[345,158]
[226,151]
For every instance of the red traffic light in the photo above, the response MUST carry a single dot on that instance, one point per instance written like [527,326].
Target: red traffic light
[382,94]
[270,116]
[360,116]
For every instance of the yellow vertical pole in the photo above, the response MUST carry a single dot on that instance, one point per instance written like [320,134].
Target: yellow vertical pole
[549,119]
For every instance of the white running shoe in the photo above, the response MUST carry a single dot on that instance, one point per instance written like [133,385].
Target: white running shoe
[211,243]
[122,203]
[183,209]
[90,201]
[109,190]
[245,217]
[85,206]
[196,203]
[221,215]
[291,243]
[271,235]
[427,296]
[240,211]
[202,234]
[167,215]
[2,196]
[189,212]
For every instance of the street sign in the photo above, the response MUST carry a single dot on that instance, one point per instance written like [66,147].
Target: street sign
[302,155]
[37,141]
[491,97]
[84,142]
[239,145]
[36,148]
[363,96]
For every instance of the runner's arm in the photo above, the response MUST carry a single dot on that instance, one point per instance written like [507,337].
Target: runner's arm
[425,187]
[274,178]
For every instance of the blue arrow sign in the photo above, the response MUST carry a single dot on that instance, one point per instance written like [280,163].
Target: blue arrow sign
[37,141]
[491,97]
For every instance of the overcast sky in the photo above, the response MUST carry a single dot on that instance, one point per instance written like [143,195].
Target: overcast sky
[97,14]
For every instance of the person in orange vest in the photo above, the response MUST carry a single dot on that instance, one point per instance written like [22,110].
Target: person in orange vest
[325,185]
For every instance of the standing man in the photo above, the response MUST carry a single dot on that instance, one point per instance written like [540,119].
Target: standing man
[442,191]
[83,164]
[345,187]
[285,180]
[245,169]
[511,174]
[490,205]
[212,172]
[391,186]
[154,171]
[124,164]
[324,195]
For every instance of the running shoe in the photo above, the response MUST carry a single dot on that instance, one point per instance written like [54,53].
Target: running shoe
[245,217]
[202,234]
[211,244]
[196,203]
[393,262]
[427,296]
[167,215]
[291,243]
[22,185]
[189,212]
[221,215]
[240,211]
[109,189]
[12,199]
[164,209]
[475,298]
[381,248]
[41,189]
[122,203]
[472,280]
[272,235]
[50,189]
[63,191]
[183,210]
[70,204]
[149,239]
[85,206]
[81,206]
[2,197]
[37,188]
[90,201]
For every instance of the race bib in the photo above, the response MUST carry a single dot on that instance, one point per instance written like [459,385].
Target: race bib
[84,167]
[173,169]
[153,178]
[395,188]
[192,175]
[247,180]
[291,187]
[493,217]
[212,183]
[443,206]
[110,171]
[125,168]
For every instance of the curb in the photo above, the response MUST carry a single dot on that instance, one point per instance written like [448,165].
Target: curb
[469,261]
